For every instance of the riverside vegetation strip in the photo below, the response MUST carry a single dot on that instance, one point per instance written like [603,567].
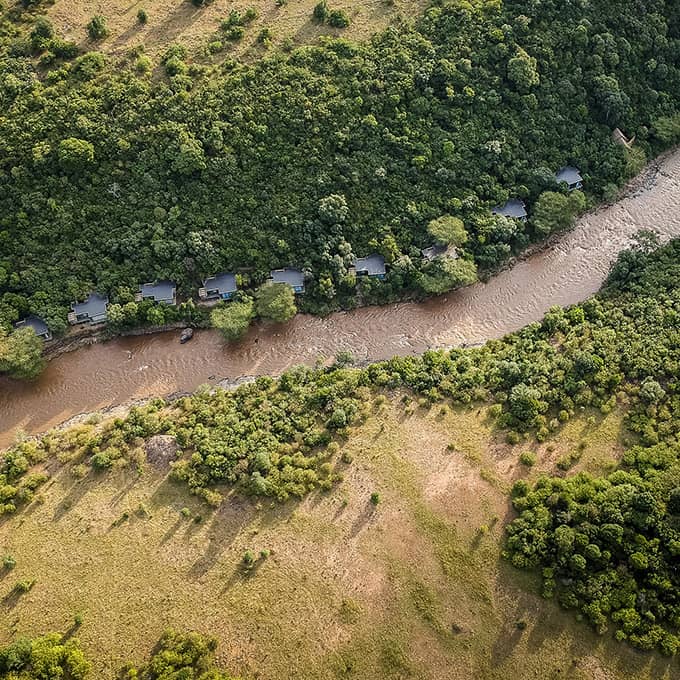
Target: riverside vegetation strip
[606,539]
[110,176]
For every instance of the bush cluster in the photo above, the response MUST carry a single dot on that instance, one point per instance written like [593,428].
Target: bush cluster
[51,656]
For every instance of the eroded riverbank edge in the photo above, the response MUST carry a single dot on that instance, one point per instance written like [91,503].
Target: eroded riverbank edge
[83,336]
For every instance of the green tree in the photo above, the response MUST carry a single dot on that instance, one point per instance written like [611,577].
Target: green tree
[276,301]
[448,230]
[333,209]
[522,71]
[96,27]
[667,129]
[115,315]
[446,274]
[44,658]
[156,315]
[188,157]
[233,320]
[180,656]
[21,353]
[610,99]
[130,313]
[41,33]
[321,11]
[525,402]
[555,211]
[75,154]
[338,18]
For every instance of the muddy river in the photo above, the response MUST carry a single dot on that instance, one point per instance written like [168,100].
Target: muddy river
[126,369]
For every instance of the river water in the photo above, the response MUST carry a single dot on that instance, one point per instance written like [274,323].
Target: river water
[572,269]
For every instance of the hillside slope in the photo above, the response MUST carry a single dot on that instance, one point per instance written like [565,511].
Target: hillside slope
[353,522]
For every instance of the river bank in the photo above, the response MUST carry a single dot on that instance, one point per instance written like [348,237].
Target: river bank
[571,268]
[83,336]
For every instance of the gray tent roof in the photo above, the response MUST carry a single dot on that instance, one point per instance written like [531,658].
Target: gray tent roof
[433,251]
[94,306]
[293,277]
[439,250]
[162,290]
[222,283]
[569,174]
[35,322]
[512,208]
[374,264]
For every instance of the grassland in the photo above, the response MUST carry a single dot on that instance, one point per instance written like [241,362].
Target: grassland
[180,21]
[413,587]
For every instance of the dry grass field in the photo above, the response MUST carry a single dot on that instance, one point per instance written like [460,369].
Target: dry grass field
[413,587]
[171,21]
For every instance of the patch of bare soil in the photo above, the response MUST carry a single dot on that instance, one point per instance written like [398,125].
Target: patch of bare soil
[161,450]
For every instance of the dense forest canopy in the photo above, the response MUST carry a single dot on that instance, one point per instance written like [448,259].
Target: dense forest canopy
[111,175]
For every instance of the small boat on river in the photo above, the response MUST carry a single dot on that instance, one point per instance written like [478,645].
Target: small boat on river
[186,335]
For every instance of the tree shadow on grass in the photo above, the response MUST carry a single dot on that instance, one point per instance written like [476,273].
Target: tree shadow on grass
[173,25]
[367,513]
[11,599]
[244,572]
[74,493]
[232,518]
[533,620]
[124,490]
[72,630]
[170,533]
[121,42]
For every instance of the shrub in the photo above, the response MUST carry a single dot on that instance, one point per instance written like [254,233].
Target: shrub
[143,64]
[101,460]
[42,32]
[276,301]
[248,559]
[180,656]
[233,319]
[321,11]
[527,458]
[50,657]
[513,438]
[338,19]
[24,585]
[96,27]
[174,66]
[264,36]
[142,16]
